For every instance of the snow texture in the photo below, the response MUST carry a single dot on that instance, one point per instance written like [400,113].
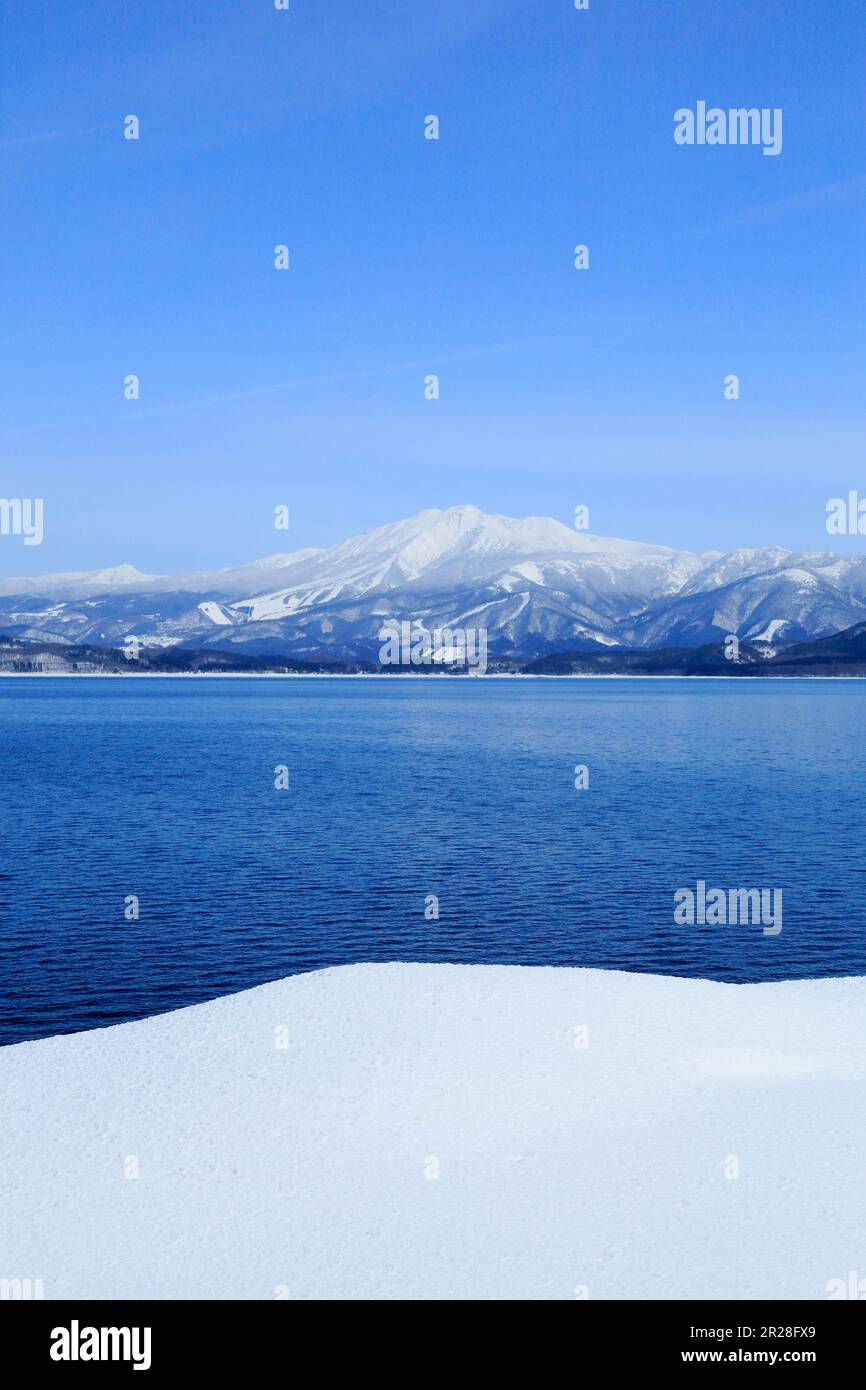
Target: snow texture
[440,1132]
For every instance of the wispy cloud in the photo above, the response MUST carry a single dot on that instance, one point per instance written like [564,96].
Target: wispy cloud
[14,141]
[330,379]
[812,199]
[335,378]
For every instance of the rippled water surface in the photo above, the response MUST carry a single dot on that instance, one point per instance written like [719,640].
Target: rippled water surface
[403,788]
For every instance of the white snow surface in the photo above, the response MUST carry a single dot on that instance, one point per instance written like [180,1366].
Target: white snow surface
[774,626]
[216,613]
[462,546]
[438,564]
[306,1171]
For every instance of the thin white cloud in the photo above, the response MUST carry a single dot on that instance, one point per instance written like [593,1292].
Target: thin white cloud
[799,202]
[335,378]
[301,383]
[15,140]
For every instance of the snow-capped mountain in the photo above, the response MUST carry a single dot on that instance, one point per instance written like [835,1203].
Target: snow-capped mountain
[126,579]
[534,584]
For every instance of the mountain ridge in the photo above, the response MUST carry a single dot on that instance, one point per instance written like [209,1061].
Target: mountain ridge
[534,584]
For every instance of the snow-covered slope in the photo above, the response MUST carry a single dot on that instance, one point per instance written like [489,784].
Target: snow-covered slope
[118,579]
[534,584]
[798,602]
[464,549]
[240,580]
[446,1132]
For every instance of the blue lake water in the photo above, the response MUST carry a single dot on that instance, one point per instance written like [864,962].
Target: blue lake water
[400,789]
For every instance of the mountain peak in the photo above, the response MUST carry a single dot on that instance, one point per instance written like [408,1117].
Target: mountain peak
[534,583]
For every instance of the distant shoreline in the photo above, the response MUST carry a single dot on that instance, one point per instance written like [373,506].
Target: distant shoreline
[408,675]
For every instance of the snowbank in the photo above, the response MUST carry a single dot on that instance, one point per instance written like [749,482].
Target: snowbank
[419,1131]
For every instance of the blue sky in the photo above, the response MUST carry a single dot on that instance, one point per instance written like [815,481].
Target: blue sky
[409,256]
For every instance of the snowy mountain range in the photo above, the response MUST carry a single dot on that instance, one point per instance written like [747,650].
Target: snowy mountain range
[534,584]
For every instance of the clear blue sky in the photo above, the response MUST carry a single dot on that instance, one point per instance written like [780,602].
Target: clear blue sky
[408,256]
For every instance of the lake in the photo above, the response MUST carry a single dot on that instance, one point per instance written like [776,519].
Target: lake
[409,798]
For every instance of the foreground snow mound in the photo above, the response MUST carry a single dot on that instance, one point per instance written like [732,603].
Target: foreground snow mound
[427,1131]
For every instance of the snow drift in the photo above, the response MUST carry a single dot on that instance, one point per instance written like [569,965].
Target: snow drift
[424,1131]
